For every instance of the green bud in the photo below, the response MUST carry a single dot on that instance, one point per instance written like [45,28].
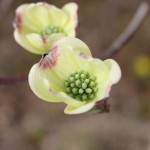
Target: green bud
[66,83]
[91,96]
[84,85]
[68,90]
[72,85]
[77,76]
[83,76]
[88,90]
[75,90]
[81,91]
[78,83]
[87,81]
[71,79]
[84,97]
[92,84]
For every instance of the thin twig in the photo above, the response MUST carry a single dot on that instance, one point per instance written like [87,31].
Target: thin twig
[4,7]
[10,80]
[128,33]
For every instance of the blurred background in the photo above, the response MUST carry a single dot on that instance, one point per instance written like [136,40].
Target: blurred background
[28,123]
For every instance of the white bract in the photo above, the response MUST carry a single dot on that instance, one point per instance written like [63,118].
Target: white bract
[69,74]
[39,25]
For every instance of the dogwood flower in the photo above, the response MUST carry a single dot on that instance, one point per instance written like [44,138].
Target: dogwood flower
[38,25]
[69,74]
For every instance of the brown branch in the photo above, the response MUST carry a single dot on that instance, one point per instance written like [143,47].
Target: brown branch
[128,33]
[11,80]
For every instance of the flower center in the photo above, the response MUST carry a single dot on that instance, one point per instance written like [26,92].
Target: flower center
[81,86]
[51,29]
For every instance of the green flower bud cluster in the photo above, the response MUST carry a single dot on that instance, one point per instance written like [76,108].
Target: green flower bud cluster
[51,29]
[81,86]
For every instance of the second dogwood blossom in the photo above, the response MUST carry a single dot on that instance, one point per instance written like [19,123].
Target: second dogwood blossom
[39,25]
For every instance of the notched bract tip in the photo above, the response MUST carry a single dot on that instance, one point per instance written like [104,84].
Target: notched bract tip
[49,59]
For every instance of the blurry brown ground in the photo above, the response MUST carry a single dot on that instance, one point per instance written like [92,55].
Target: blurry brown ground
[28,123]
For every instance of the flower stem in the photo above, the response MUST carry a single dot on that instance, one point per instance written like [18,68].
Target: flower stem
[128,33]
[10,80]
